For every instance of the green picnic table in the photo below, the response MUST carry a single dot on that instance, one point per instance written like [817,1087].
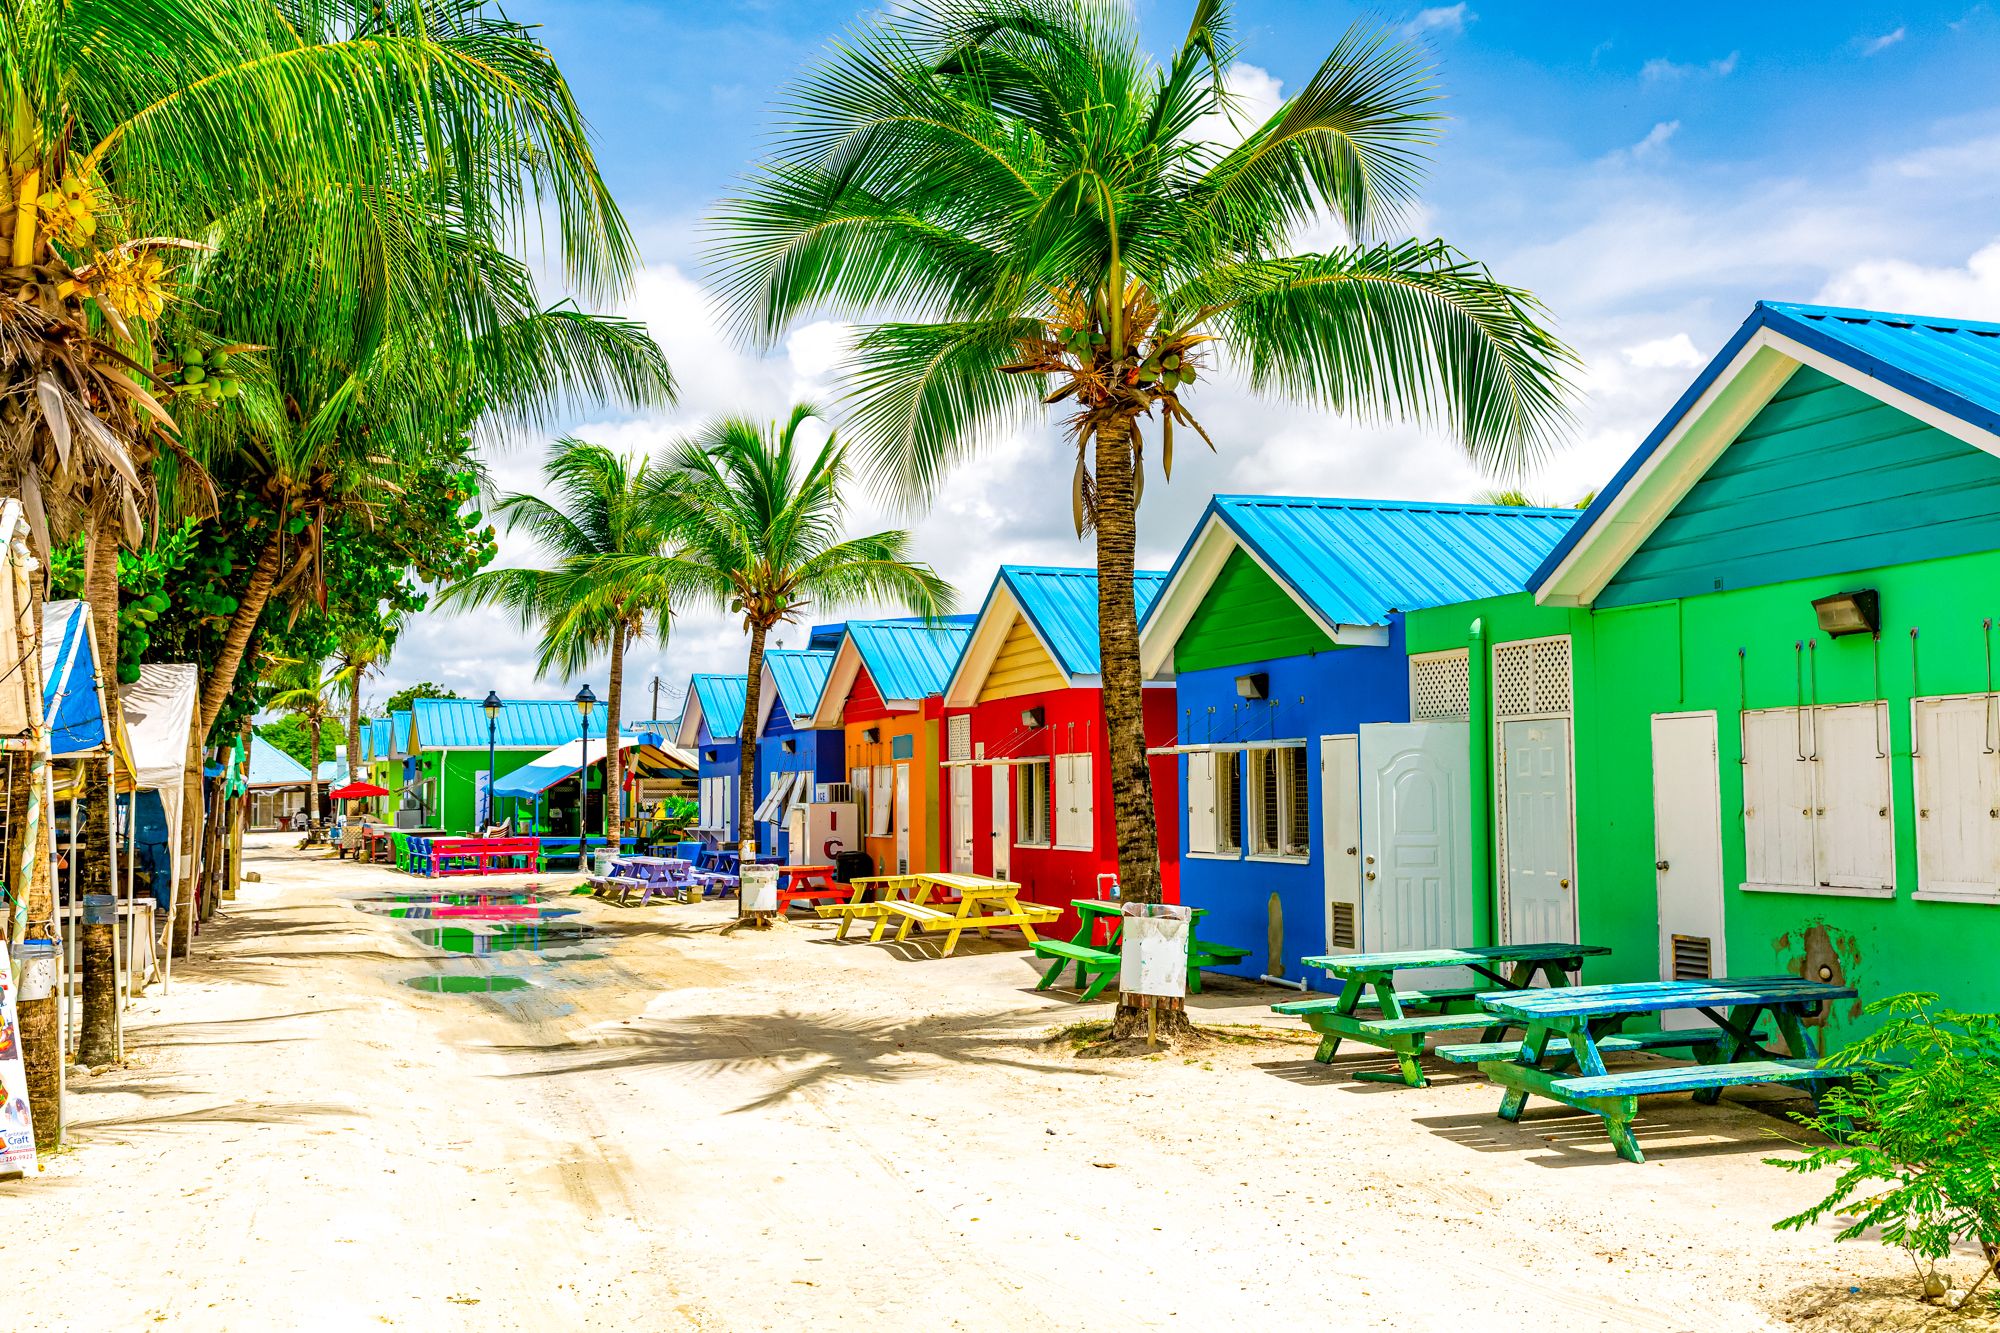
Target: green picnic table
[1569,1030]
[1097,965]
[1399,1020]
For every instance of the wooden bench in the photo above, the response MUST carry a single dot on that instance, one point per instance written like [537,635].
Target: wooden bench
[848,913]
[1095,968]
[1631,1083]
[1405,998]
[1203,953]
[1624,1043]
[1013,914]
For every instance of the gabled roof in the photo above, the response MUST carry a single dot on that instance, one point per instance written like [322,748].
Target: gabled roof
[1943,372]
[909,660]
[1352,564]
[716,700]
[793,677]
[379,732]
[1060,607]
[272,767]
[399,733]
[523,724]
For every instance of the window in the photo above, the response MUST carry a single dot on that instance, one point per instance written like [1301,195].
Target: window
[1439,688]
[1278,803]
[1074,815]
[1816,811]
[1957,765]
[1228,800]
[1031,804]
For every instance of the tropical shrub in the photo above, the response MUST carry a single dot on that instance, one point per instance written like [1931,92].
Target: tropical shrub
[1915,1136]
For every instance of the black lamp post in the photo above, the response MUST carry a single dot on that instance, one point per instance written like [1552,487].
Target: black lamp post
[493,705]
[585,702]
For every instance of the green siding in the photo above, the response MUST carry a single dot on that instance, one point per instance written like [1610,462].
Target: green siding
[1824,480]
[1246,617]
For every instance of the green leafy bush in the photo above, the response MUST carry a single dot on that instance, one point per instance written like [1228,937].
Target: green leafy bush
[1915,1138]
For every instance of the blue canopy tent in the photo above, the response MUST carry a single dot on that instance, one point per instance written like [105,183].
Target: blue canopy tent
[647,754]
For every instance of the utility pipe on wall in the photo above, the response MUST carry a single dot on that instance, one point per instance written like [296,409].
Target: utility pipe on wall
[1479,719]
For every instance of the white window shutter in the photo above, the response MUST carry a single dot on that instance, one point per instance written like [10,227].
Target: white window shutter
[1777,799]
[1958,797]
[1852,840]
[1086,811]
[1201,801]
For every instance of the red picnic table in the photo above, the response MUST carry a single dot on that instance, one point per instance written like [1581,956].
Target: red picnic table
[807,884]
[483,856]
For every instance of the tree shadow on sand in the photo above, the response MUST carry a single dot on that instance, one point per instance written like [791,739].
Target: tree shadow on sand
[808,1050]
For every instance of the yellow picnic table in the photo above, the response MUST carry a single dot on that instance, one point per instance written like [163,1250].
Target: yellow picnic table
[982,904]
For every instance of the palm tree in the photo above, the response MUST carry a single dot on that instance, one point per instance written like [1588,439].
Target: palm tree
[758,532]
[1051,215]
[600,589]
[364,649]
[303,692]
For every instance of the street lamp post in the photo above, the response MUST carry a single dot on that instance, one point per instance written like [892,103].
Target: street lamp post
[493,705]
[585,702]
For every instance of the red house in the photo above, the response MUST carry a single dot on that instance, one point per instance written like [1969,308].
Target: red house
[1027,771]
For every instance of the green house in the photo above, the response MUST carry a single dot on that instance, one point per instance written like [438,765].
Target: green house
[1744,721]
[451,740]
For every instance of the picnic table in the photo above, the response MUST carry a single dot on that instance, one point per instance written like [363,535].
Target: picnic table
[1097,965]
[1400,1020]
[647,875]
[806,884]
[482,856]
[1570,1029]
[977,904]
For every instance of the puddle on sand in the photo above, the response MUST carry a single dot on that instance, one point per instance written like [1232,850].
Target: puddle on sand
[463,985]
[510,939]
[469,898]
[478,912]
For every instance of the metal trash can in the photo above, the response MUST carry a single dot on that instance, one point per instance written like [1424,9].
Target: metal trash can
[39,960]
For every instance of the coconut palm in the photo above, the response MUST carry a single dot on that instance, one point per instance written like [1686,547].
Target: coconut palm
[307,692]
[1052,217]
[598,590]
[758,525]
[364,650]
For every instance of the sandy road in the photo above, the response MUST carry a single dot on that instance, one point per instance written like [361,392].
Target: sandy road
[671,1128]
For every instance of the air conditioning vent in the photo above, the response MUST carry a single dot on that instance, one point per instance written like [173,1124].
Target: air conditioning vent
[1344,935]
[1691,957]
[833,792]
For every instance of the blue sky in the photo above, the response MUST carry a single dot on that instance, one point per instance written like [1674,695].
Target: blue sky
[1649,171]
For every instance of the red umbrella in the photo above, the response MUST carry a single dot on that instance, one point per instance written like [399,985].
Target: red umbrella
[355,791]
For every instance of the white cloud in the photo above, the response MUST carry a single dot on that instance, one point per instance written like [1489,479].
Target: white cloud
[1654,145]
[1661,70]
[1871,46]
[1676,351]
[1254,95]
[1968,291]
[1441,18]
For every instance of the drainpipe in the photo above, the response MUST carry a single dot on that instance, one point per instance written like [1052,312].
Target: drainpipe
[1479,793]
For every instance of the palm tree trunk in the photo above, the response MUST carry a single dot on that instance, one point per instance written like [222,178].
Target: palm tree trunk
[100,589]
[614,828]
[222,676]
[312,775]
[354,722]
[746,748]
[97,1044]
[187,859]
[1123,701]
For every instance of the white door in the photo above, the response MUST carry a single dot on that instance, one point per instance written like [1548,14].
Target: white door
[1539,869]
[1002,776]
[1340,816]
[1416,853]
[961,819]
[1687,850]
[902,819]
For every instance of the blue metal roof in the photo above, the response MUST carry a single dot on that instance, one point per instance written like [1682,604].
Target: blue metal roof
[1062,606]
[1354,562]
[378,738]
[399,731]
[800,676]
[721,701]
[70,699]
[523,724]
[1950,364]
[909,659]
[272,767]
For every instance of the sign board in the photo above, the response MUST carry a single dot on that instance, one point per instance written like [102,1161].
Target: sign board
[1155,950]
[759,891]
[17,1128]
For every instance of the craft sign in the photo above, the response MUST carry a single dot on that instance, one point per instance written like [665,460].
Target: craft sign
[17,1129]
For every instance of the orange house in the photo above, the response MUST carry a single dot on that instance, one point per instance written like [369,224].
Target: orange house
[885,692]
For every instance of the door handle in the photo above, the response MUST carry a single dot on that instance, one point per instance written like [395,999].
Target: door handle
[1351,850]
[1659,865]
[1563,884]
[1370,875]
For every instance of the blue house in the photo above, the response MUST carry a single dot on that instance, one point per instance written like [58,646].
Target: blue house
[1281,625]
[711,723]
[791,760]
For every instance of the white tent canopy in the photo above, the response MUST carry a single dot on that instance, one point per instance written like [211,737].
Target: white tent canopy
[160,710]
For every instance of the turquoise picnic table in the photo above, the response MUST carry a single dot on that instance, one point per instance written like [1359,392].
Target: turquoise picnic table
[1569,1030]
[1097,965]
[1399,1020]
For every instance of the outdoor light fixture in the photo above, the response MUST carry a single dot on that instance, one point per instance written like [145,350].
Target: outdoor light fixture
[585,701]
[492,708]
[1858,612]
[493,705]
[871,734]
[1256,685]
[1031,718]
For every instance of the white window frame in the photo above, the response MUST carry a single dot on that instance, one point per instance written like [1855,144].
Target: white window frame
[1842,788]
[1229,797]
[1941,801]
[1032,817]
[1270,786]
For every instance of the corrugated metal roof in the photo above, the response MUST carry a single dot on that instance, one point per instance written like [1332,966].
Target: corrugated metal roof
[1354,562]
[720,699]
[1062,606]
[400,722]
[378,738]
[908,659]
[270,766]
[523,724]
[1951,364]
[799,676]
